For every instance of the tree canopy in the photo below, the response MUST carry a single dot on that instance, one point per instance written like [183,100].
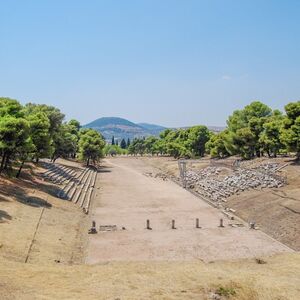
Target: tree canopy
[36,131]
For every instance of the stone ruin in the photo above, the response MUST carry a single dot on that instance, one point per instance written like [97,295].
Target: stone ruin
[211,182]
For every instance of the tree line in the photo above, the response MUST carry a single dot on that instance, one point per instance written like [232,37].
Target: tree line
[254,131]
[33,131]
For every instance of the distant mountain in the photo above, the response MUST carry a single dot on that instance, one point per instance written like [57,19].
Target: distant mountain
[108,121]
[152,128]
[121,128]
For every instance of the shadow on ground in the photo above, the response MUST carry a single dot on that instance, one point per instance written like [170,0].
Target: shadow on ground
[104,169]
[21,196]
[4,216]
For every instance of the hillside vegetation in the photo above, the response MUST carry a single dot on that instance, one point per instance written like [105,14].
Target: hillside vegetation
[36,131]
[120,128]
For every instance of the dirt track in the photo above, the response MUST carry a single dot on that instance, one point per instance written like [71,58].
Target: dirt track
[127,198]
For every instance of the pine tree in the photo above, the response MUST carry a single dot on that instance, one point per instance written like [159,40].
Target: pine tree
[123,144]
[128,143]
[113,140]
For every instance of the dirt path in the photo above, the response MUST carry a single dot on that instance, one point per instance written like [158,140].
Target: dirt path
[128,197]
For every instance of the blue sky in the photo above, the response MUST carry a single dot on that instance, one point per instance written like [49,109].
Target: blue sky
[175,63]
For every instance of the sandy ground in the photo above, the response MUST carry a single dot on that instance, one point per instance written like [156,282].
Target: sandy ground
[36,226]
[128,197]
[276,211]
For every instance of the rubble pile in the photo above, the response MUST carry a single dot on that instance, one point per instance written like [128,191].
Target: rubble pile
[267,167]
[209,184]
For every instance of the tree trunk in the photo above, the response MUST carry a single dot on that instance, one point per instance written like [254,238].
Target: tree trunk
[88,162]
[6,161]
[2,162]
[20,169]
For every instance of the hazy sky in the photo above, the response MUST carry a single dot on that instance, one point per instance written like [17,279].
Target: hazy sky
[175,63]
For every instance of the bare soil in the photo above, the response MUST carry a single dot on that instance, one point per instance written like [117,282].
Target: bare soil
[276,211]
[129,195]
[36,226]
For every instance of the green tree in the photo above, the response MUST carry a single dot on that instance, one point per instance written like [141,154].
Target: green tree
[270,138]
[91,145]
[137,146]
[53,114]
[113,150]
[24,152]
[216,145]
[14,133]
[123,144]
[65,142]
[10,107]
[245,141]
[40,134]
[290,134]
[75,125]
[197,137]
[150,143]
[247,123]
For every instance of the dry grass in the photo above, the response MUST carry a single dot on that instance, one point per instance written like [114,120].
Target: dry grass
[278,279]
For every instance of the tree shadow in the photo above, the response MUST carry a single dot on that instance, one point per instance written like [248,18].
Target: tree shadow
[295,162]
[104,169]
[45,186]
[2,199]
[50,189]
[35,202]
[21,196]
[4,216]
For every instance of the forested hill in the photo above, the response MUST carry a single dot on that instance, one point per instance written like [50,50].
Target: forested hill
[152,128]
[121,128]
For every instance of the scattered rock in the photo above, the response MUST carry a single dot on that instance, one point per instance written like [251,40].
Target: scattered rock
[214,296]
[209,182]
[260,261]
